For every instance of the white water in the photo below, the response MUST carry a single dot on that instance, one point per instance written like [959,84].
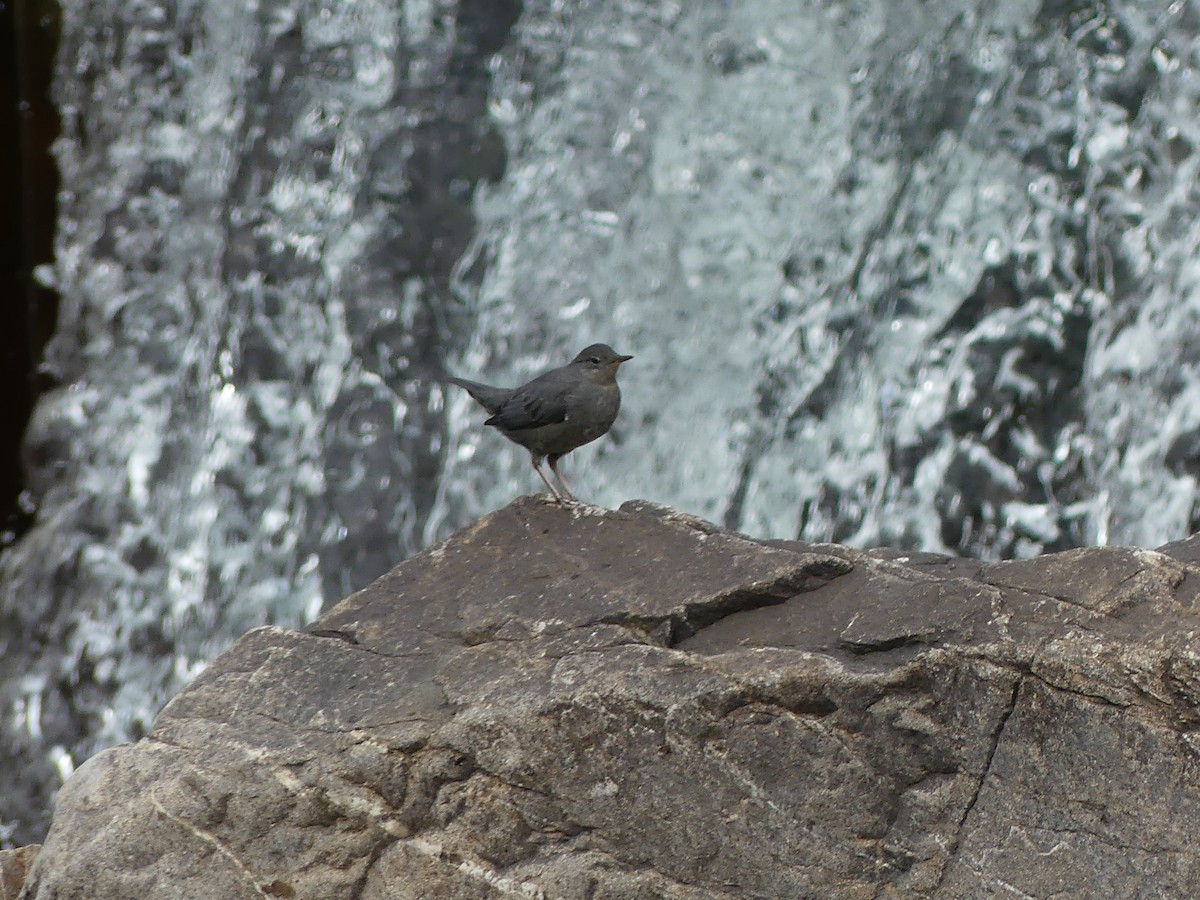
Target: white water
[780,208]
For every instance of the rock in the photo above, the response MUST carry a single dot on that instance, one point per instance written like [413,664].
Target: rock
[13,866]
[569,703]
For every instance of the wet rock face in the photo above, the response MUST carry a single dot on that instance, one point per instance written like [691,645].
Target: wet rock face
[582,703]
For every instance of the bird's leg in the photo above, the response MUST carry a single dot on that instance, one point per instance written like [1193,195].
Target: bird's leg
[537,467]
[553,460]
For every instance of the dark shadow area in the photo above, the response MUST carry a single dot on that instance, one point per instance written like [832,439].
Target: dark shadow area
[28,126]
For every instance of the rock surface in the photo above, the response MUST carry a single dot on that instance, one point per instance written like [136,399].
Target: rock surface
[13,866]
[582,703]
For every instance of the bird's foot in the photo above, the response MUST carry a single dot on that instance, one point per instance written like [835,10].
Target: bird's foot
[564,489]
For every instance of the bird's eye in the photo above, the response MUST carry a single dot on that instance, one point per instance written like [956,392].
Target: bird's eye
[594,360]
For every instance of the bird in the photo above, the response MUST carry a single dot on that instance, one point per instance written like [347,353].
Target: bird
[556,412]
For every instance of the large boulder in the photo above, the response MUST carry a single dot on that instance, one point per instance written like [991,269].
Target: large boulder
[571,703]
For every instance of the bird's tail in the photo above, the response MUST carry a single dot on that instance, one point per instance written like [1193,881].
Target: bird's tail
[490,398]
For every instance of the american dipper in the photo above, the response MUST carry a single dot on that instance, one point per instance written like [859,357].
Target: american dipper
[556,412]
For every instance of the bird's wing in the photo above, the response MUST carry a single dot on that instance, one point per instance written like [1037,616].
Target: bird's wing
[532,406]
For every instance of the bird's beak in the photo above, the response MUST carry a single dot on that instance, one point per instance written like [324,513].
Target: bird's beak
[621,359]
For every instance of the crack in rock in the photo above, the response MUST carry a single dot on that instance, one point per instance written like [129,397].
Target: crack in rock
[680,624]
[207,837]
[952,856]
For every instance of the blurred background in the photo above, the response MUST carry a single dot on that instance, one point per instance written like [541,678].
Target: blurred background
[894,273]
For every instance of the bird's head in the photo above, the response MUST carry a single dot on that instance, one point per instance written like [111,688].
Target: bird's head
[600,363]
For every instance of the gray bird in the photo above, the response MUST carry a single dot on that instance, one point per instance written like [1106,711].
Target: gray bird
[556,412]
